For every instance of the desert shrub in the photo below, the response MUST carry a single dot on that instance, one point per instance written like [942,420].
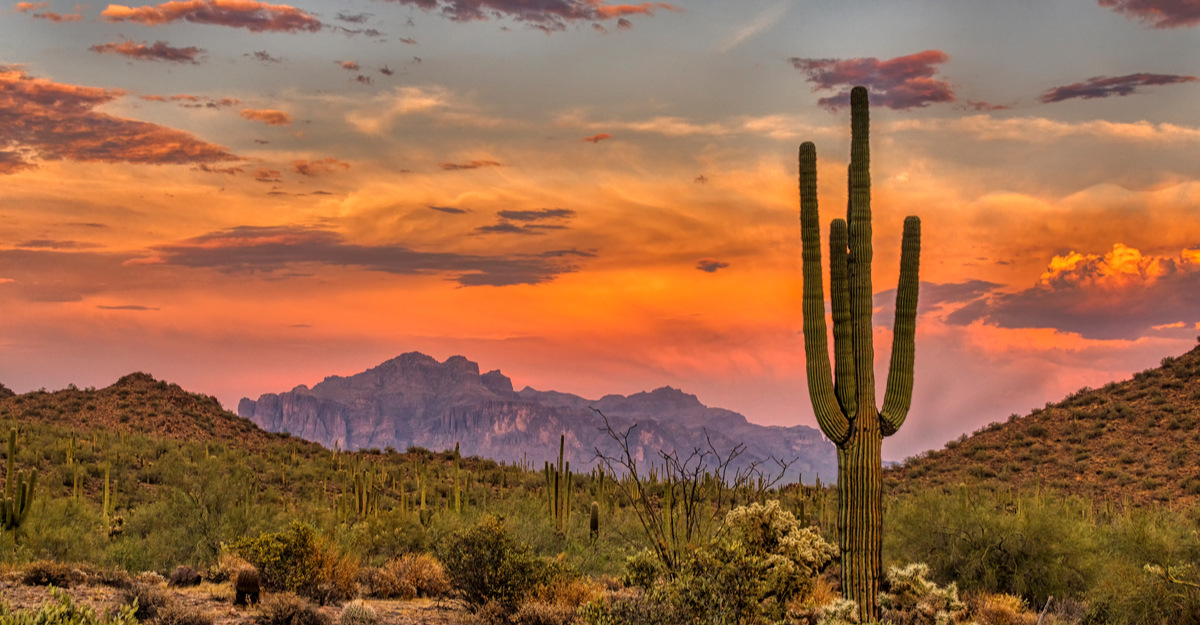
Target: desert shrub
[62,610]
[47,573]
[150,599]
[287,608]
[485,564]
[295,560]
[1032,548]
[63,529]
[358,613]
[183,575]
[225,568]
[760,562]
[175,614]
[999,609]
[407,577]
[1145,551]
[542,613]
[625,605]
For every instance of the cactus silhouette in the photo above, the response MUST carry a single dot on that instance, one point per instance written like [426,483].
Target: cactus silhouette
[844,399]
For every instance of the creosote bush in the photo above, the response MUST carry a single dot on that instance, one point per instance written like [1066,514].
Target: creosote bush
[486,565]
[296,560]
[287,608]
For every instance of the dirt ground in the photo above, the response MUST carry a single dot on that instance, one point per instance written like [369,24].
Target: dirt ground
[216,600]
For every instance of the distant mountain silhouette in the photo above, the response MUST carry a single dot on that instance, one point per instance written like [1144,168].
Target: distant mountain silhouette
[413,400]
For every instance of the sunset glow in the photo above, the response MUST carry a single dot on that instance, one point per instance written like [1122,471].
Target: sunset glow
[593,197]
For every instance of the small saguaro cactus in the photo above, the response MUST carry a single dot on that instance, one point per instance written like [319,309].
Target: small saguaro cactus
[844,399]
[18,494]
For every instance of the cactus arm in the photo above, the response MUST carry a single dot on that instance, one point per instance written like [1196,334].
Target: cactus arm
[898,397]
[839,296]
[833,422]
[860,254]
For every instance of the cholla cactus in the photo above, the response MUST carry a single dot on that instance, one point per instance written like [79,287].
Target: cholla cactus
[357,612]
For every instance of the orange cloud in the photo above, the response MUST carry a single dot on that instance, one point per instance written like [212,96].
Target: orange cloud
[598,138]
[320,167]
[470,165]
[249,14]
[26,7]
[348,65]
[53,121]
[158,51]
[1158,13]
[270,117]
[193,101]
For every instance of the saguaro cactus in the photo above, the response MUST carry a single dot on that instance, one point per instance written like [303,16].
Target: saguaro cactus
[18,494]
[844,400]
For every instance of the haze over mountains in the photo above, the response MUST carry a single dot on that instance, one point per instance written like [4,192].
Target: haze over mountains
[413,400]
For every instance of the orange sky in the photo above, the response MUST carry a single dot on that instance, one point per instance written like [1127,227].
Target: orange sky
[594,198]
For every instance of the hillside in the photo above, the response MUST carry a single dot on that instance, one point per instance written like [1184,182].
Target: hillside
[1134,441]
[136,404]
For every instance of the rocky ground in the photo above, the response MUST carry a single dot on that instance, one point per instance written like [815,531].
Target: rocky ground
[216,601]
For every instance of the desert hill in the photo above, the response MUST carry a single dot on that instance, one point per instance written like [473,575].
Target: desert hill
[1134,441]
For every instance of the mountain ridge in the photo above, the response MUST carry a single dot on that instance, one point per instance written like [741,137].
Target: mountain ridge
[413,400]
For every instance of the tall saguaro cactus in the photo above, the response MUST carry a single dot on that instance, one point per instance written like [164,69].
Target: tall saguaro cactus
[18,494]
[844,399]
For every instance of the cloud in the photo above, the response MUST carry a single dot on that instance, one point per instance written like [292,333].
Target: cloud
[469,165]
[1042,130]
[250,249]
[547,15]
[409,40]
[348,65]
[1158,13]
[1122,294]
[535,215]
[507,227]
[55,244]
[133,307]
[763,21]
[249,14]
[30,7]
[52,121]
[353,18]
[158,51]
[598,138]
[902,83]
[1104,86]
[383,111]
[710,265]
[265,174]
[270,117]
[265,57]
[624,24]
[319,167]
[448,209]
[193,101]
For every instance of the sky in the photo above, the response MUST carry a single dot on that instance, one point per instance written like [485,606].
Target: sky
[240,196]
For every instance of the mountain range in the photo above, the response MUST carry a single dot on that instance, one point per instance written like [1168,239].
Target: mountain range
[414,400]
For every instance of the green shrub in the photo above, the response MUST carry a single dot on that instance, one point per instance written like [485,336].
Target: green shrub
[485,564]
[63,611]
[1032,548]
[761,561]
[296,561]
